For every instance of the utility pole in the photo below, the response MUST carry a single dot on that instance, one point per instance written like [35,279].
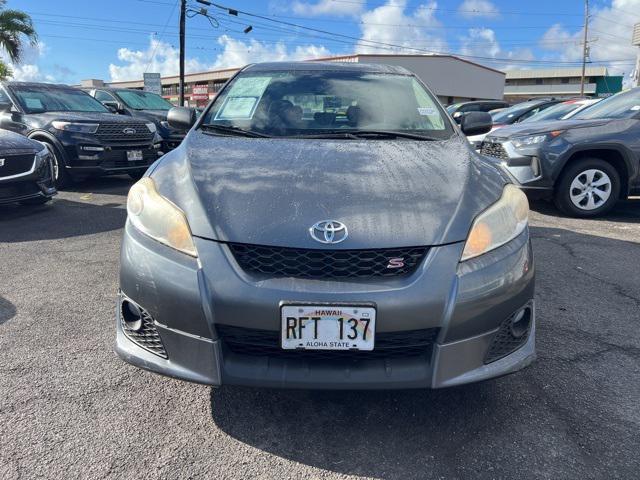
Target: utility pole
[585,47]
[183,11]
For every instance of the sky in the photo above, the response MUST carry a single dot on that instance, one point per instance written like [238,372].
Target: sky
[122,39]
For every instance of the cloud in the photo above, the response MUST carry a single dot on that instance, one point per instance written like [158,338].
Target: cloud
[159,57]
[482,42]
[163,58]
[29,69]
[478,9]
[390,23]
[237,53]
[610,32]
[328,8]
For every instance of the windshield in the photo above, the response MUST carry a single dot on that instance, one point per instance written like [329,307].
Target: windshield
[621,105]
[139,100]
[554,113]
[279,103]
[509,115]
[38,99]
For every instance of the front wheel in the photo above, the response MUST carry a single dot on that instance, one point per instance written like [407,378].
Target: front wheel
[61,177]
[588,188]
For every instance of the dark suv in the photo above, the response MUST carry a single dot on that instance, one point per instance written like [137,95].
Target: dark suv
[585,164]
[145,106]
[83,137]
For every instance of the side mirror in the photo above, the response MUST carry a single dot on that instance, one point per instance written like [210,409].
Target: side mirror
[115,107]
[476,123]
[181,118]
[5,107]
[458,117]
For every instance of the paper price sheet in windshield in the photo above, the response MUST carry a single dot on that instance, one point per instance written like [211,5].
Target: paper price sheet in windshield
[243,98]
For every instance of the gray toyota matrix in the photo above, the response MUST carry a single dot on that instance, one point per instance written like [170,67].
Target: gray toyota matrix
[326,225]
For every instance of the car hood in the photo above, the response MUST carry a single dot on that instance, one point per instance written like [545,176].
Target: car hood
[531,128]
[271,191]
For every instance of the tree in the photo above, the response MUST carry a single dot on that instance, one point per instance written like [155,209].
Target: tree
[15,26]
[5,71]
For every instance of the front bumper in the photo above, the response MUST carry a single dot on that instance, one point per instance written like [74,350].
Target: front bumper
[187,298]
[36,184]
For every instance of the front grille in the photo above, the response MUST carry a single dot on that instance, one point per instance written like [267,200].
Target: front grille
[494,149]
[114,132]
[266,343]
[312,263]
[504,342]
[16,164]
[147,336]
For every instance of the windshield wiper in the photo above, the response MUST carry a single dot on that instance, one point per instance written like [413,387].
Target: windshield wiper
[359,134]
[392,134]
[233,130]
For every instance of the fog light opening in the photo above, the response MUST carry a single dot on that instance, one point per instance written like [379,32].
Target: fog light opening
[131,315]
[520,323]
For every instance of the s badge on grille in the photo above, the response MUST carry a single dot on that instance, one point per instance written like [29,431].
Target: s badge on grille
[397,262]
[329,231]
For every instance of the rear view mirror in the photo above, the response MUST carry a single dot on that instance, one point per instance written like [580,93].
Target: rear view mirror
[115,107]
[181,118]
[476,123]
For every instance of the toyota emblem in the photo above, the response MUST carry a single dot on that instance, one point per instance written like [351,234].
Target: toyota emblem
[129,131]
[329,231]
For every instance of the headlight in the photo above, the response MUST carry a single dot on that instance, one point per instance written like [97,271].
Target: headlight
[500,223]
[75,127]
[151,126]
[159,218]
[528,141]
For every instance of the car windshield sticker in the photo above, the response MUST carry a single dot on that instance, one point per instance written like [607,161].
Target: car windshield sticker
[237,107]
[33,103]
[243,97]
[426,111]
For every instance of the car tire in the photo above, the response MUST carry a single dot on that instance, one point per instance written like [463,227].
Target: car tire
[587,188]
[35,201]
[136,175]
[61,178]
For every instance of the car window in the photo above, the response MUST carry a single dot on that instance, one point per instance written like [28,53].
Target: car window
[42,98]
[553,112]
[304,102]
[4,98]
[140,100]
[620,105]
[510,114]
[472,107]
[103,96]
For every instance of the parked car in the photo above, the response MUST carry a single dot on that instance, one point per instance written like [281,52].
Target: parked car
[585,164]
[25,170]
[363,246]
[145,106]
[457,109]
[517,113]
[81,135]
[563,111]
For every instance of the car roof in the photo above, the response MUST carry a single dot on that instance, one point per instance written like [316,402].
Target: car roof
[327,66]
[52,86]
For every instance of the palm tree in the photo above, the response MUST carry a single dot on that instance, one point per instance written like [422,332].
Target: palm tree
[14,27]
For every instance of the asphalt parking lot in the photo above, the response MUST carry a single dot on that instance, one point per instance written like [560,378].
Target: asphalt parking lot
[69,408]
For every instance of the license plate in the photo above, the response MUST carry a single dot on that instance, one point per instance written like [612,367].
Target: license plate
[327,327]
[134,155]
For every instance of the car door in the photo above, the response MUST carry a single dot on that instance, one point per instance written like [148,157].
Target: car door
[11,118]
